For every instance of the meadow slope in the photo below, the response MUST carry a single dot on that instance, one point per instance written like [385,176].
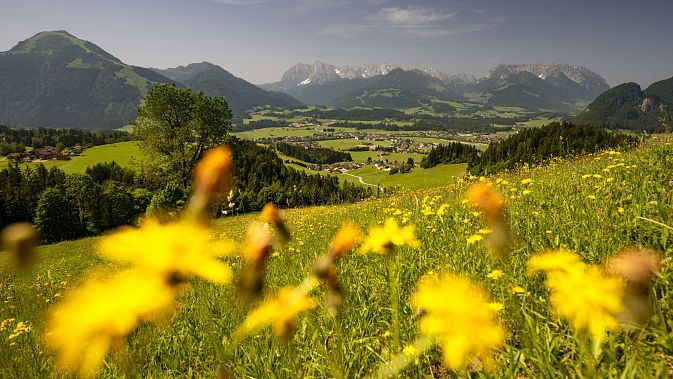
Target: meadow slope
[594,205]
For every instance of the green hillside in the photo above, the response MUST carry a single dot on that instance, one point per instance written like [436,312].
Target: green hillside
[628,107]
[121,152]
[240,95]
[595,205]
[56,80]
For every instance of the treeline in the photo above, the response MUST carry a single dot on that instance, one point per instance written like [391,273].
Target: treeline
[261,176]
[319,155]
[240,126]
[467,125]
[536,145]
[453,152]
[16,140]
[70,206]
[374,114]
[67,206]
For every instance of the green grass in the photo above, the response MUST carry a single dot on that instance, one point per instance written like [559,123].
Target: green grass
[345,144]
[121,152]
[563,209]
[417,178]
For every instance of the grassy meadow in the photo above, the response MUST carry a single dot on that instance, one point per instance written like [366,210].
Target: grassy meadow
[595,206]
[120,152]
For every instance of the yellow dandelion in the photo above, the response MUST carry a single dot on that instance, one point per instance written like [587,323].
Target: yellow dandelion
[212,175]
[485,231]
[344,239]
[459,316]
[280,311]
[581,293]
[496,274]
[526,192]
[517,290]
[591,197]
[496,307]
[441,211]
[555,260]
[177,250]
[620,210]
[383,239]
[485,199]
[100,314]
[270,213]
[527,181]
[588,298]
[474,239]
[409,351]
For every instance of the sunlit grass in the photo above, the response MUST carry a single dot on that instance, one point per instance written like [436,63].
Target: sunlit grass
[594,206]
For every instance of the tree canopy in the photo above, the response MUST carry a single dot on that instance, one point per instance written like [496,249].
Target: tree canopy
[176,126]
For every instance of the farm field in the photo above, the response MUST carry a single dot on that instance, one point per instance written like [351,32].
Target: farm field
[418,177]
[594,206]
[121,152]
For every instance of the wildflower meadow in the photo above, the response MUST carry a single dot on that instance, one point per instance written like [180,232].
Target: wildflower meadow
[562,270]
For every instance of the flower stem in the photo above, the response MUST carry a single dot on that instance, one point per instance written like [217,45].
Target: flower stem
[393,284]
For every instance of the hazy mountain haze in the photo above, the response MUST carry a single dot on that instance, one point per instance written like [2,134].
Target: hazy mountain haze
[259,39]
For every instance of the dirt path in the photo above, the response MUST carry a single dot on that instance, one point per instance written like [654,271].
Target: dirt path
[362,181]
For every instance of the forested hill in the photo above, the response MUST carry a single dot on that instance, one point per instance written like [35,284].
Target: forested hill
[56,80]
[67,206]
[536,145]
[630,108]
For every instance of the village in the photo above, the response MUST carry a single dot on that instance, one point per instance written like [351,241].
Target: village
[46,153]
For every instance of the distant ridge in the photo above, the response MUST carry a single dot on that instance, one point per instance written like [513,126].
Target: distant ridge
[56,80]
[548,87]
[213,80]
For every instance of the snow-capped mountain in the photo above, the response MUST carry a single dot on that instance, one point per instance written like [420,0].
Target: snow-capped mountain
[303,74]
[579,80]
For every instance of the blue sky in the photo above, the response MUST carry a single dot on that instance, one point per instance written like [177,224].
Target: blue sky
[622,40]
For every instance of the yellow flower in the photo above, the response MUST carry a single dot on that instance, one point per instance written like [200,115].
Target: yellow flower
[409,351]
[102,313]
[620,210]
[19,329]
[270,213]
[583,294]
[517,289]
[495,274]
[474,239]
[383,239]
[526,192]
[554,260]
[496,307]
[441,211]
[591,197]
[527,181]
[177,250]
[212,175]
[280,312]
[344,240]
[588,298]
[459,315]
[485,199]
[485,231]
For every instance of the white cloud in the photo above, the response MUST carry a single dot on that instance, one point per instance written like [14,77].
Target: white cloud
[408,17]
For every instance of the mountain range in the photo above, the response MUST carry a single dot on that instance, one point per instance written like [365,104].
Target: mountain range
[56,80]
[554,87]
[628,107]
